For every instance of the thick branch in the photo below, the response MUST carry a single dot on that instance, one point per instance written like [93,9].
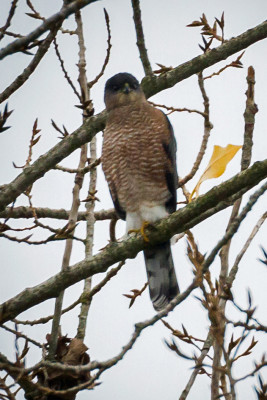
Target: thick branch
[153,85]
[27,212]
[49,23]
[47,161]
[96,123]
[116,252]
[24,76]
[15,370]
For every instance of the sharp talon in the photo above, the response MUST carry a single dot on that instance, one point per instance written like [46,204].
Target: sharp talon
[145,224]
[142,231]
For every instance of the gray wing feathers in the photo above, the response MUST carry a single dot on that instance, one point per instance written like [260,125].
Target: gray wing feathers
[162,281]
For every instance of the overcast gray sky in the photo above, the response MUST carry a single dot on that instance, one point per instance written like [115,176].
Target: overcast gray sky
[150,370]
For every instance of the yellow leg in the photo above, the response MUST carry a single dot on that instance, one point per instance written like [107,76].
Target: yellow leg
[141,230]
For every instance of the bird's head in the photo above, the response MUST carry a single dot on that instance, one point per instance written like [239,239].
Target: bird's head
[121,90]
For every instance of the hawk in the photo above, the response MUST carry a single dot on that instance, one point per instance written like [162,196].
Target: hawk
[139,163]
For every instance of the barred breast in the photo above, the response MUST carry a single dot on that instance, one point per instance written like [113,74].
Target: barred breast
[134,161]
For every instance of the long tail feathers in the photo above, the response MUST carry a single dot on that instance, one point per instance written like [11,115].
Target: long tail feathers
[162,281]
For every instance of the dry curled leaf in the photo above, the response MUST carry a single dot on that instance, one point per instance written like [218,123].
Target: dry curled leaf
[136,293]
[220,158]
[69,352]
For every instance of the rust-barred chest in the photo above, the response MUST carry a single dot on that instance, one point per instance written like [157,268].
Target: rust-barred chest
[133,159]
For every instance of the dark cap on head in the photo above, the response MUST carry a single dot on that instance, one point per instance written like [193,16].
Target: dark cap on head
[118,81]
[121,90]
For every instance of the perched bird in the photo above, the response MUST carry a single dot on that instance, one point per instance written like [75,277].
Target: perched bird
[139,163]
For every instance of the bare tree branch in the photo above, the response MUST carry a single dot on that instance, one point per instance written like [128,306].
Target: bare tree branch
[66,75]
[88,298]
[49,23]
[234,269]
[27,212]
[153,85]
[21,335]
[96,123]
[250,111]
[9,18]
[141,38]
[79,178]
[116,252]
[90,203]
[205,349]
[207,129]
[101,73]
[24,76]
[49,160]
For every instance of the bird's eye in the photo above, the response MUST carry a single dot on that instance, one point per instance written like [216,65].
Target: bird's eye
[115,88]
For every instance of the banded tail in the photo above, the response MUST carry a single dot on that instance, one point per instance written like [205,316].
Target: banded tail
[162,281]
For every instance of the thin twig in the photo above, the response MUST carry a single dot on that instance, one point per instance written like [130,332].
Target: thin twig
[207,128]
[234,269]
[84,170]
[9,19]
[140,37]
[68,250]
[9,395]
[234,225]
[49,23]
[67,253]
[249,115]
[173,109]
[107,278]
[89,297]
[24,76]
[237,64]
[13,34]
[51,238]
[101,73]
[257,328]
[204,352]
[252,373]
[90,205]
[21,335]
[66,75]
[103,365]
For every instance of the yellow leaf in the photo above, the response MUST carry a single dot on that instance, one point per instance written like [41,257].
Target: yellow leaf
[220,158]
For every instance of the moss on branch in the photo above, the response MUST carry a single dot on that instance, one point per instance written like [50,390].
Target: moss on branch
[151,86]
[210,203]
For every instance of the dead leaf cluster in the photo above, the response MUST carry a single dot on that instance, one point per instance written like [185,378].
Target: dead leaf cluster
[136,293]
[69,352]
[3,118]
[208,30]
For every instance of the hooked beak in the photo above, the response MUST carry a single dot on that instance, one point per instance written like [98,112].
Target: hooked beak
[126,89]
